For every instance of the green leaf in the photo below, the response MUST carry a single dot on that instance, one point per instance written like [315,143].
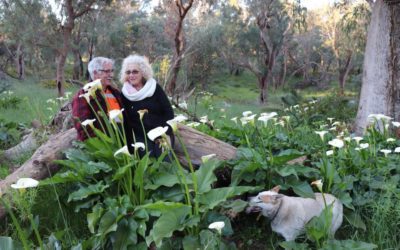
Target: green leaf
[161,206]
[292,245]
[214,216]
[237,205]
[162,179]
[125,234]
[94,217]
[205,176]
[121,172]
[140,171]
[191,243]
[85,192]
[173,220]
[346,199]
[355,220]
[285,156]
[108,223]
[348,244]
[216,196]
[302,189]
[64,177]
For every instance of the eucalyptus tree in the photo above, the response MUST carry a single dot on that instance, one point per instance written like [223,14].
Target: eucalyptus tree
[266,31]
[381,72]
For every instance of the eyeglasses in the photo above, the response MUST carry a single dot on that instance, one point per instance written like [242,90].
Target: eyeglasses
[107,71]
[134,72]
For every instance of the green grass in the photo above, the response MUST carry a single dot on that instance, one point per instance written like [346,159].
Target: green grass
[33,104]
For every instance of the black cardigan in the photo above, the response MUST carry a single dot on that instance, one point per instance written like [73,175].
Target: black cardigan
[159,112]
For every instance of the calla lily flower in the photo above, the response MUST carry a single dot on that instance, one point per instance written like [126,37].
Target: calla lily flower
[157,132]
[397,150]
[247,113]
[386,151]
[24,183]
[123,150]
[183,105]
[321,134]
[357,139]
[116,115]
[139,145]
[218,225]
[396,124]
[318,184]
[142,112]
[173,124]
[204,119]
[330,119]
[193,124]
[337,143]
[205,158]
[86,96]
[364,145]
[88,122]
[347,138]
[93,86]
[234,119]
[329,152]
[390,140]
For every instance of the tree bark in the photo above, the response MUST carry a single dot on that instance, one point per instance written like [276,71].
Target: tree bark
[19,62]
[380,83]
[344,72]
[179,43]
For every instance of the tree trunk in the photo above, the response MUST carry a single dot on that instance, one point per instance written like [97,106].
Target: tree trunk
[179,43]
[344,72]
[380,83]
[263,85]
[19,62]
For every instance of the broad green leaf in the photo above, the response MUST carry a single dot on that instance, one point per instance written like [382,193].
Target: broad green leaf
[214,216]
[161,206]
[346,199]
[59,178]
[302,189]
[247,171]
[292,245]
[162,179]
[208,238]
[85,192]
[168,222]
[216,196]
[205,176]
[108,223]
[95,167]
[348,244]
[191,243]
[94,217]
[285,156]
[355,220]
[237,205]
[125,234]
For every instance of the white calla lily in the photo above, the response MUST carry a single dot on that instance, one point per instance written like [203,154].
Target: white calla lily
[337,143]
[93,86]
[364,145]
[123,150]
[397,150]
[386,151]
[329,152]
[205,158]
[139,145]
[116,115]
[88,122]
[321,134]
[157,132]
[247,113]
[357,139]
[23,183]
[390,140]
[396,124]
[318,184]
[218,225]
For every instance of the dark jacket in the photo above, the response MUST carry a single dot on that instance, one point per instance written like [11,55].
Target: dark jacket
[159,112]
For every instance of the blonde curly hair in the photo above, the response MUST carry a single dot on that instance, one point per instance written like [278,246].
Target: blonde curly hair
[143,64]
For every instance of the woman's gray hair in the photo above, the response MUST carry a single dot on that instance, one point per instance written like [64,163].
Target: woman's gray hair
[140,61]
[96,64]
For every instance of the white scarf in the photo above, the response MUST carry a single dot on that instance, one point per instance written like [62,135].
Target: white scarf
[147,91]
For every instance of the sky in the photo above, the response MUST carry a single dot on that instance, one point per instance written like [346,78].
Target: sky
[315,4]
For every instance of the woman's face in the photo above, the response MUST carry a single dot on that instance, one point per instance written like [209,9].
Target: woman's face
[133,75]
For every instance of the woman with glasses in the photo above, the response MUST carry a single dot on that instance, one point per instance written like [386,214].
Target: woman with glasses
[140,92]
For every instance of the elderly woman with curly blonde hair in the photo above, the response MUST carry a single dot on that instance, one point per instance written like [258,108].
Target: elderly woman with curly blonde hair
[140,91]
